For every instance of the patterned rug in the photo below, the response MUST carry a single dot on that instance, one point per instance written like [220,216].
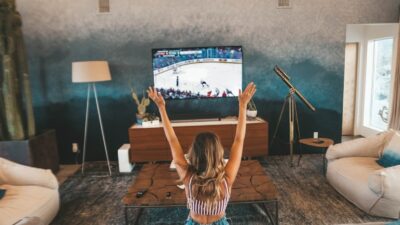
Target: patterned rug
[305,197]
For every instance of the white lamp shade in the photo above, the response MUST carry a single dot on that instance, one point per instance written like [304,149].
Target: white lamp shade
[90,71]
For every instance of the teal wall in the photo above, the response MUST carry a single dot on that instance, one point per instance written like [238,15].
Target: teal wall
[307,41]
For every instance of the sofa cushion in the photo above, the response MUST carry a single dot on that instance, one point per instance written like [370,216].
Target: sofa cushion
[391,153]
[28,201]
[360,147]
[17,174]
[386,183]
[349,176]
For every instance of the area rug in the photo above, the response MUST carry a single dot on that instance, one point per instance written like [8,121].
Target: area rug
[305,197]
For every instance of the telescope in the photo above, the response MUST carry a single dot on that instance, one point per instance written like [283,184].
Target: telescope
[286,79]
[294,129]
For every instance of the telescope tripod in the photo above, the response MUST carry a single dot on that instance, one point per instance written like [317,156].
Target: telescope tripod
[293,124]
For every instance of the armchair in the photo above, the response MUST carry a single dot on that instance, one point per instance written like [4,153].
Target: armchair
[352,170]
[30,192]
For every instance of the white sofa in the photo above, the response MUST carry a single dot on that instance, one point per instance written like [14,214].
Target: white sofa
[30,192]
[352,170]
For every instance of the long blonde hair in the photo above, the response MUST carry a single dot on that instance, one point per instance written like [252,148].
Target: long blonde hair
[206,157]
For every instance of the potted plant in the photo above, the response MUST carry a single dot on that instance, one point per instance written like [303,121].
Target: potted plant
[251,109]
[142,117]
[19,140]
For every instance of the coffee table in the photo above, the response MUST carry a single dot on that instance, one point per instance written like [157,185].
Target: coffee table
[252,186]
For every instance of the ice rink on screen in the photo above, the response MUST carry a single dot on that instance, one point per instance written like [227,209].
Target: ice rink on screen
[219,76]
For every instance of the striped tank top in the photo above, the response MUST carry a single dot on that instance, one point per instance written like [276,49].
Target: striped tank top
[201,207]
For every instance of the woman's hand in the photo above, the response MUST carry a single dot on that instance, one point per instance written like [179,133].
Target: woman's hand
[156,97]
[247,94]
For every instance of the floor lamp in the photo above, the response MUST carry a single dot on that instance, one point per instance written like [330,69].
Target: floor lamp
[91,72]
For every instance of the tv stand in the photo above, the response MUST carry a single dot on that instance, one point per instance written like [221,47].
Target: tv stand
[149,144]
[195,120]
[194,116]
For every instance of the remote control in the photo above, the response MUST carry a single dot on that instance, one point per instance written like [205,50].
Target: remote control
[168,195]
[140,194]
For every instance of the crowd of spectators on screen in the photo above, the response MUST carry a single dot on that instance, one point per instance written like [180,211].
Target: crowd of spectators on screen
[172,93]
[163,60]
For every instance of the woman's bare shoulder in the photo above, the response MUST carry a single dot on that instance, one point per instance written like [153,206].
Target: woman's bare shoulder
[187,177]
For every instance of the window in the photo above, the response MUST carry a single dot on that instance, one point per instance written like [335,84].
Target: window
[378,83]
[375,75]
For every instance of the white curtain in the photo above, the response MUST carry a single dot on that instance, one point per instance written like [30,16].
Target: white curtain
[394,122]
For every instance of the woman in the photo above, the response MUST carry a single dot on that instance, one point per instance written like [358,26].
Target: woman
[208,181]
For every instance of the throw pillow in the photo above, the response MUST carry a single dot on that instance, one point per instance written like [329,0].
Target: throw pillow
[2,193]
[391,153]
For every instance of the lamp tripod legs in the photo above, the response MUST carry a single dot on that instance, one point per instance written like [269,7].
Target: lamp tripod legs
[86,128]
[101,128]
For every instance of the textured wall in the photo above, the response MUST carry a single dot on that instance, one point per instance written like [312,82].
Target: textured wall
[307,41]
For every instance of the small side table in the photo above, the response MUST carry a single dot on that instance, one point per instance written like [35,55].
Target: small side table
[323,143]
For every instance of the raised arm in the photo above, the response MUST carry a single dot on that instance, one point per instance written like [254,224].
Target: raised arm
[176,149]
[235,157]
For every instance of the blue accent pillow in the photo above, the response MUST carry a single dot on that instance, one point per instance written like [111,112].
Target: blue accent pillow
[389,158]
[391,154]
[2,193]
[394,223]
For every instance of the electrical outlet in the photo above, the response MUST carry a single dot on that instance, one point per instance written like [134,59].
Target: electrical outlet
[75,148]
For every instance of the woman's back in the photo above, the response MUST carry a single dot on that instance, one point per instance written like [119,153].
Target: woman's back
[206,212]
[202,207]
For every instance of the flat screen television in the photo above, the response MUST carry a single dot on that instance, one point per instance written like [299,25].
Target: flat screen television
[198,72]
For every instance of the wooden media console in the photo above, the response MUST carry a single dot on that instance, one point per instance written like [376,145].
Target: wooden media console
[149,144]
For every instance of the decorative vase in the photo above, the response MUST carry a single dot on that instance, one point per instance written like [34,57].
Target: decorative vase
[251,113]
[140,118]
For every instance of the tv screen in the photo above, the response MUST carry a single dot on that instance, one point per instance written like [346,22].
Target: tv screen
[201,72]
